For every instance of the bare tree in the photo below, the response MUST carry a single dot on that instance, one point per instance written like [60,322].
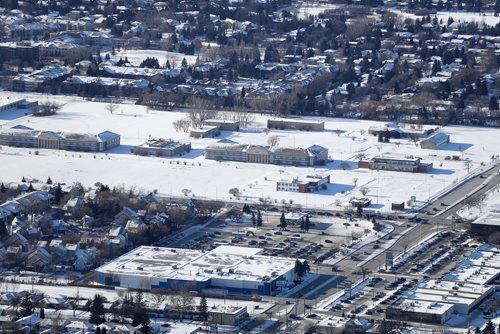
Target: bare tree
[111,107]
[355,180]
[47,108]
[186,192]
[235,192]
[158,296]
[364,190]
[273,141]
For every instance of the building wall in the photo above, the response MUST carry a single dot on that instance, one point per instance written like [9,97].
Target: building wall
[295,125]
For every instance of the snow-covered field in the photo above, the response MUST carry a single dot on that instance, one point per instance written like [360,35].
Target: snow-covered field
[481,18]
[207,178]
[491,203]
[135,57]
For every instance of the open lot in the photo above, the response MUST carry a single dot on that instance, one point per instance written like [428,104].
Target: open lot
[170,175]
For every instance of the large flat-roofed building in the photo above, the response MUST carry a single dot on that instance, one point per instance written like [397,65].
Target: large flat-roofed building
[314,155]
[231,268]
[295,124]
[59,140]
[310,184]
[205,132]
[7,103]
[486,225]
[413,165]
[225,125]
[162,148]
[459,292]
[434,141]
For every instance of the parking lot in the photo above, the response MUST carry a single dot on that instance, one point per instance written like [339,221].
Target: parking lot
[326,235]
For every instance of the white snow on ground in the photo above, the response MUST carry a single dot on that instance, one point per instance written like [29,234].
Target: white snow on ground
[481,18]
[306,9]
[491,203]
[170,175]
[135,57]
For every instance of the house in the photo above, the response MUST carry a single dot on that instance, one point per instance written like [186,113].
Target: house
[79,326]
[434,141]
[39,260]
[124,215]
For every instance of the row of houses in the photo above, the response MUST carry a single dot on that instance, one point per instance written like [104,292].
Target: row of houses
[230,151]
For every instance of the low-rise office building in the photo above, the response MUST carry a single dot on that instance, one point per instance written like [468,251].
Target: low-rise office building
[413,165]
[486,225]
[310,184]
[162,148]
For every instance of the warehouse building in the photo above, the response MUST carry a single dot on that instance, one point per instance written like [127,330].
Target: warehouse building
[434,141]
[486,225]
[460,292]
[292,124]
[230,268]
[413,165]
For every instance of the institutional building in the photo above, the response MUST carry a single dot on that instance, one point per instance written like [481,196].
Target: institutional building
[310,184]
[27,137]
[314,155]
[413,165]
[228,268]
[162,148]
[225,125]
[205,132]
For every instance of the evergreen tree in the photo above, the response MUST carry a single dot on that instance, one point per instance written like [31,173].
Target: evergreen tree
[42,313]
[103,330]
[282,224]
[49,180]
[97,310]
[243,93]
[489,328]
[98,330]
[2,188]
[254,221]
[31,188]
[259,218]
[23,180]
[203,308]
[3,230]
[299,269]
[26,305]
[493,105]
[307,223]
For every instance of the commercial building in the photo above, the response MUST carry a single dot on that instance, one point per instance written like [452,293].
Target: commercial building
[434,141]
[205,132]
[30,138]
[413,165]
[162,148]
[314,155]
[458,292]
[291,124]
[486,225]
[229,268]
[310,184]
[7,103]
[223,124]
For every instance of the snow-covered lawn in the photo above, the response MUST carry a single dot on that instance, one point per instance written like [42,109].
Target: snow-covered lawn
[491,203]
[481,18]
[135,57]
[213,179]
